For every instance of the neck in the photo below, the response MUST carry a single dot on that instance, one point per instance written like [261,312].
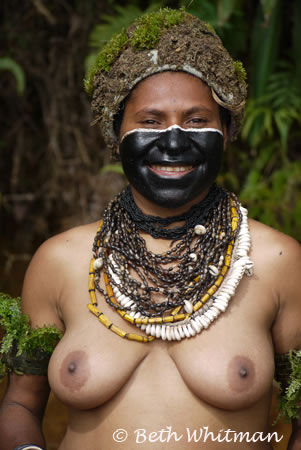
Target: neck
[152,209]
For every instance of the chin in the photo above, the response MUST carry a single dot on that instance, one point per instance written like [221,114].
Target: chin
[172,201]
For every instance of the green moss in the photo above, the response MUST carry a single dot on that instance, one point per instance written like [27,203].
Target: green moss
[291,398]
[151,26]
[210,28]
[240,71]
[147,33]
[106,57]
[18,332]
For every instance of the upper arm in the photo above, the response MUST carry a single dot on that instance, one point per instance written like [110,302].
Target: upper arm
[287,325]
[43,284]
[40,297]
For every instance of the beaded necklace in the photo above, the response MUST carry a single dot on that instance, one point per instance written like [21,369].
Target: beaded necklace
[197,276]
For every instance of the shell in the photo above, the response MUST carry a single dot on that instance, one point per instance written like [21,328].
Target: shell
[198,320]
[98,263]
[200,230]
[172,333]
[186,332]
[195,325]
[209,315]
[221,306]
[158,331]
[181,332]
[207,321]
[153,330]
[129,303]
[125,301]
[191,330]
[193,256]
[168,335]
[213,270]
[177,334]
[188,306]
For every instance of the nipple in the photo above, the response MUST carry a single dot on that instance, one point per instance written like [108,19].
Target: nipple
[72,367]
[75,371]
[241,373]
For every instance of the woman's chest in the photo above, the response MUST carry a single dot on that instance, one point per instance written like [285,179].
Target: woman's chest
[229,365]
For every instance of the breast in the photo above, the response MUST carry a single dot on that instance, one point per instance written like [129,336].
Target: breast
[86,370]
[228,368]
[225,374]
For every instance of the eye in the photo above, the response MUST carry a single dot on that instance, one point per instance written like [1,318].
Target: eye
[198,121]
[150,123]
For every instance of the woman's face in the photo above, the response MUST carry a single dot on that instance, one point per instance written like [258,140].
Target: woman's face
[171,140]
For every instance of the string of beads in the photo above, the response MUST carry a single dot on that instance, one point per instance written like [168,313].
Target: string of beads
[187,276]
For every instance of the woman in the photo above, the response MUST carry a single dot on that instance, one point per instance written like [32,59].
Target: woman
[191,315]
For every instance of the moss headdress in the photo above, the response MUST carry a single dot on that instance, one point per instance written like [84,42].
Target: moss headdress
[166,40]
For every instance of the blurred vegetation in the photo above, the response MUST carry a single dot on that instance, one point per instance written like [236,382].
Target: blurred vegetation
[54,170]
[16,70]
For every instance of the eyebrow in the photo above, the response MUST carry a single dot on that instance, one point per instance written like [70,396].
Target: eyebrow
[159,113]
[197,109]
[151,111]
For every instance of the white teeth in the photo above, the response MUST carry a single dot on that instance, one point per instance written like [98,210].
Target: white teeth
[172,169]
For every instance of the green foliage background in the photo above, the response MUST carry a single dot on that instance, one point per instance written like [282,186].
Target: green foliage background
[55,171]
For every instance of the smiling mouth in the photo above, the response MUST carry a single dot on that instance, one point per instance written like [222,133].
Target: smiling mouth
[171,170]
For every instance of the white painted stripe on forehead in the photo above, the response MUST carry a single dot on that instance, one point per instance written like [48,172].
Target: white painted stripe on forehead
[172,127]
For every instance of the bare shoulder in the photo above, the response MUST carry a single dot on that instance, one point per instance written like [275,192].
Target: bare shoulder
[68,241]
[277,257]
[274,246]
[56,260]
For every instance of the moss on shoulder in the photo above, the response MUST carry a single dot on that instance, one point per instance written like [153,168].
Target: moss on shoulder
[290,397]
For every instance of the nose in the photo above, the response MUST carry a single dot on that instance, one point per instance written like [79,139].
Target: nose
[174,141]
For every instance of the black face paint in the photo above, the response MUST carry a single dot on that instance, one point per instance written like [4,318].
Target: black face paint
[197,153]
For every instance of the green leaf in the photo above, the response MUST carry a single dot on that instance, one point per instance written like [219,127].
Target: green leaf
[15,68]
[265,44]
[116,168]
[225,9]
[291,397]
[114,23]
[268,6]
[205,10]
[283,121]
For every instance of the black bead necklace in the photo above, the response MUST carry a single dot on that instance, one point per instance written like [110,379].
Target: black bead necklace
[182,273]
